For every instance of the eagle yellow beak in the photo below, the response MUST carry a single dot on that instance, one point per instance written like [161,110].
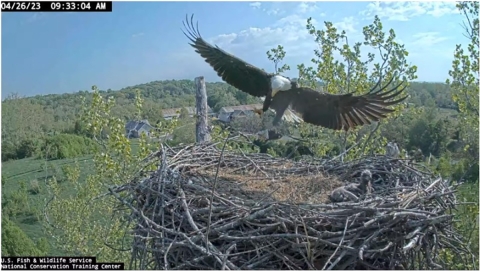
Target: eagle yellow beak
[274,92]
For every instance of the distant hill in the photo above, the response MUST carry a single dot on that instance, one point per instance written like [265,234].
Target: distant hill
[158,95]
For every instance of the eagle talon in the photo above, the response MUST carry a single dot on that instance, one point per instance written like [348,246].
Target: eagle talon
[258,111]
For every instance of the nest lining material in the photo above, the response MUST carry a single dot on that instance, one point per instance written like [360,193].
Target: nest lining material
[208,209]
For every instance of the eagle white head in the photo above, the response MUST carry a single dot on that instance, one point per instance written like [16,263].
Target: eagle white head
[280,83]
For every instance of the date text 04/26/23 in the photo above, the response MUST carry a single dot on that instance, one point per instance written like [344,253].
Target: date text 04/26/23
[56,6]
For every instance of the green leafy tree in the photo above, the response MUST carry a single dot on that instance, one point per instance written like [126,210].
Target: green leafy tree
[152,112]
[184,133]
[80,218]
[348,74]
[24,125]
[16,243]
[464,78]
[222,99]
[277,55]
[184,114]
[85,222]
[464,84]
[138,104]
[67,146]
[430,133]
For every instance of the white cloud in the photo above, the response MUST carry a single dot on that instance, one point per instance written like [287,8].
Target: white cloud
[442,8]
[224,39]
[305,7]
[288,29]
[403,11]
[427,39]
[347,24]
[255,5]
[252,43]
[294,20]
[35,17]
[273,11]
[136,35]
[281,8]
[274,8]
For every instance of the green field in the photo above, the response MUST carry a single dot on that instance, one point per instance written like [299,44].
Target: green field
[30,169]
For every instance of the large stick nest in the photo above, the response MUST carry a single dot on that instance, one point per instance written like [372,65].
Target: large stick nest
[208,209]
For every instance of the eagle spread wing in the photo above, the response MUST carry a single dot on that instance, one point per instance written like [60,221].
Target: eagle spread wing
[233,70]
[338,111]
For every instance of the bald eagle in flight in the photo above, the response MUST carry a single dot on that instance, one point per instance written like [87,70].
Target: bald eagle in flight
[279,93]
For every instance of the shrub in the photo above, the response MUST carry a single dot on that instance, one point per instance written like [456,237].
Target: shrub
[9,152]
[34,187]
[67,146]
[16,203]
[184,134]
[15,242]
[27,148]
[24,148]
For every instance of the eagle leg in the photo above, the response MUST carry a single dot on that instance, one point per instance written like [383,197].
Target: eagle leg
[277,119]
[280,110]
[268,101]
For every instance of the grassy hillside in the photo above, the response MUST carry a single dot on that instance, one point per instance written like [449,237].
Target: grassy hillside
[33,174]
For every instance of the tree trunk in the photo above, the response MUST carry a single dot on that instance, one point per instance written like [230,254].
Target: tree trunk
[202,129]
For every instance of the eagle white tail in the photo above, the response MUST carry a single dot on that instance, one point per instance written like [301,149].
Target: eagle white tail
[291,117]
[288,115]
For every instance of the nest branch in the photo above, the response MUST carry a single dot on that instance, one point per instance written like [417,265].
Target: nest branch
[207,208]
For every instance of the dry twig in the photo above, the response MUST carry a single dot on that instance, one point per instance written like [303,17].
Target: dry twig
[205,208]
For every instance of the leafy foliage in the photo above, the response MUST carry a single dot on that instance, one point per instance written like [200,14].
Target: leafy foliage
[424,130]
[465,75]
[24,137]
[16,243]
[277,55]
[67,146]
[83,222]
[465,69]
[337,76]
[464,85]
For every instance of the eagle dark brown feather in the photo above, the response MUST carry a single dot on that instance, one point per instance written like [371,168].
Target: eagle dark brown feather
[336,112]
[231,69]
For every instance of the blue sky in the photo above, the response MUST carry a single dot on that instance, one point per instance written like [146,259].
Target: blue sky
[139,42]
